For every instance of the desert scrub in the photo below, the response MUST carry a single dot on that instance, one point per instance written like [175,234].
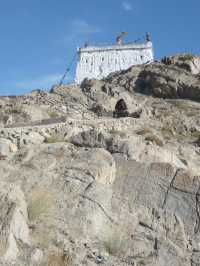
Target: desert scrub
[52,113]
[188,108]
[150,136]
[154,139]
[186,57]
[116,241]
[120,133]
[183,105]
[59,258]
[40,203]
[195,134]
[54,138]
[144,131]
[169,132]
[16,110]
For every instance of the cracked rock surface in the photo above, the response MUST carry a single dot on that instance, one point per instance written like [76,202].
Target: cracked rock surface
[80,187]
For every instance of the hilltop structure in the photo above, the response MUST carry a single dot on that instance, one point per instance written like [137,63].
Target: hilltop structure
[133,182]
[99,61]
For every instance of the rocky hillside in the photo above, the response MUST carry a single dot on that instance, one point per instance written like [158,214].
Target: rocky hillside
[81,187]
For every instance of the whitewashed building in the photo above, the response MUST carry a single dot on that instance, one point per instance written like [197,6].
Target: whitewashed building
[99,61]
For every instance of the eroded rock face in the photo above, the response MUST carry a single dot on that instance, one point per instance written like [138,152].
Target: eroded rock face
[100,190]
[81,199]
[160,212]
[173,77]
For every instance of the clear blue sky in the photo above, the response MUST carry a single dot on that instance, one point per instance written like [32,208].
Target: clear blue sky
[39,37]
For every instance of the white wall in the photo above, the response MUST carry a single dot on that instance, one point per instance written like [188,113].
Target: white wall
[98,62]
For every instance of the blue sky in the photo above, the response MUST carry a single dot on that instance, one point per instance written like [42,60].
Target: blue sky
[40,37]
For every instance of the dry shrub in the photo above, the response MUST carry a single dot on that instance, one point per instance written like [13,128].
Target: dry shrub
[59,258]
[55,138]
[52,113]
[186,57]
[116,242]
[150,136]
[120,133]
[144,131]
[52,139]
[168,132]
[41,202]
[187,107]
[56,259]
[155,139]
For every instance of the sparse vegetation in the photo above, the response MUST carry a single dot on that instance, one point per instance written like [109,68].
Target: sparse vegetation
[167,132]
[41,202]
[186,57]
[116,241]
[155,139]
[144,131]
[195,134]
[16,110]
[188,108]
[120,133]
[150,136]
[59,258]
[52,113]
[42,237]
[54,138]
[184,106]
[176,131]
[99,191]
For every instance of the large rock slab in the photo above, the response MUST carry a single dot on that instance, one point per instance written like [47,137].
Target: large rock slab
[13,221]
[162,200]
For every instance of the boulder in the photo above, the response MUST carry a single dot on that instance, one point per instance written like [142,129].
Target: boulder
[91,138]
[98,163]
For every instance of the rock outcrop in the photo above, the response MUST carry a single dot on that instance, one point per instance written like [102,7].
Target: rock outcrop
[188,62]
[168,82]
[81,187]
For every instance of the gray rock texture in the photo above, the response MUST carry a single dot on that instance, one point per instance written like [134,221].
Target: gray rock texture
[80,187]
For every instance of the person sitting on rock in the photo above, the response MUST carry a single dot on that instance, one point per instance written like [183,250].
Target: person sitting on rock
[120,109]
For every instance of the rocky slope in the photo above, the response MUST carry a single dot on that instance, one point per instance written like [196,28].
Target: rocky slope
[79,187]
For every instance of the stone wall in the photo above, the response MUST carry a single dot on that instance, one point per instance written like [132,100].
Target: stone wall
[32,134]
[98,62]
